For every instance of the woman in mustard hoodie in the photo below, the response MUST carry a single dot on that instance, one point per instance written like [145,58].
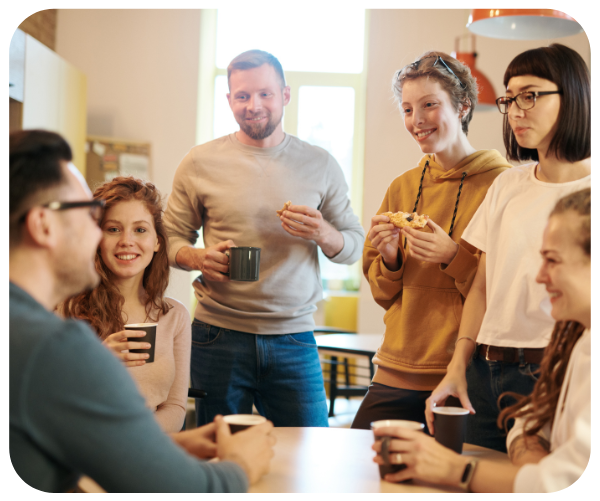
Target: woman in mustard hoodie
[421,277]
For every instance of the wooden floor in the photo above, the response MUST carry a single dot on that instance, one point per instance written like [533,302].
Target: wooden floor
[345,410]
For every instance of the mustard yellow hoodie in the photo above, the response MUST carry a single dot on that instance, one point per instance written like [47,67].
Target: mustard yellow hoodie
[423,301]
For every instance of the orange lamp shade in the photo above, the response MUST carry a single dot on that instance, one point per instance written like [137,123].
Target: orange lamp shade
[486,96]
[522,24]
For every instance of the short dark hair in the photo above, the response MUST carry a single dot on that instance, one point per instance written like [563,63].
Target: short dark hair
[567,69]
[253,59]
[35,169]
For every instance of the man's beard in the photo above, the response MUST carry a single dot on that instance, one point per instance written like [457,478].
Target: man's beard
[258,132]
[71,280]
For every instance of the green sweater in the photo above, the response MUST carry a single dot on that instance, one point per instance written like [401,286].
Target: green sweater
[75,410]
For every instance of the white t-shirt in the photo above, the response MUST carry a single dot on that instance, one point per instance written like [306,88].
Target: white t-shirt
[570,438]
[508,227]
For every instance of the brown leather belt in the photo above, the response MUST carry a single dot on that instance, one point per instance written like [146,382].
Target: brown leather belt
[511,355]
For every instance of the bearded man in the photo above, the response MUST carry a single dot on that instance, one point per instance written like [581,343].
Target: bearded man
[253,342]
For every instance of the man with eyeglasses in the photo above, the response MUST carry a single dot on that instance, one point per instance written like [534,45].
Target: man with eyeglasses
[74,409]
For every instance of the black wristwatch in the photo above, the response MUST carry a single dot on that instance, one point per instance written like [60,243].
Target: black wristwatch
[468,473]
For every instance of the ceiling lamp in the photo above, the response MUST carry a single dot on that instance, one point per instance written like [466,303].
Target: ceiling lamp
[522,24]
[486,96]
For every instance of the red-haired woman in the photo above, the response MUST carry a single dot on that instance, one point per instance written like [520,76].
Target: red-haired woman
[134,270]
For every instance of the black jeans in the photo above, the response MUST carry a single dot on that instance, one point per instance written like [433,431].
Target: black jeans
[385,402]
[486,381]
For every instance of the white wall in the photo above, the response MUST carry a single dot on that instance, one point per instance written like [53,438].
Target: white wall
[396,38]
[142,73]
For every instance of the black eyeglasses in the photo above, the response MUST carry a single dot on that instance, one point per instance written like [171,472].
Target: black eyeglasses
[524,100]
[96,207]
[415,66]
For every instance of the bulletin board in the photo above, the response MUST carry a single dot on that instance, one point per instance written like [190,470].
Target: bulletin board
[108,158]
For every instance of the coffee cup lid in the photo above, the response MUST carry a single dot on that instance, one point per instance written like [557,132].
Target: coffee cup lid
[140,325]
[246,419]
[451,411]
[402,423]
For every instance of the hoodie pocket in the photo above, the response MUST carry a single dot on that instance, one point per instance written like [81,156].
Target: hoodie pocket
[421,329]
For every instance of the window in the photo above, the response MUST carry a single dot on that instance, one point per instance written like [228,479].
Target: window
[322,54]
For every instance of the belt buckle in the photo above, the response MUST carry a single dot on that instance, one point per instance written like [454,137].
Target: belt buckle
[487,353]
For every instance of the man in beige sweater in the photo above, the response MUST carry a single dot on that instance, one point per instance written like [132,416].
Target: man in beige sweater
[252,342]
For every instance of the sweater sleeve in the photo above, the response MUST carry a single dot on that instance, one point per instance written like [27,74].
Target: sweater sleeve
[184,215]
[170,414]
[82,408]
[337,210]
[463,267]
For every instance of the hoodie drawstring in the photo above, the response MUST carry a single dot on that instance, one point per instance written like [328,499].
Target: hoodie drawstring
[464,174]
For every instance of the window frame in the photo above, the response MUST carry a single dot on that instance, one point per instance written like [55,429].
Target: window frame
[295,79]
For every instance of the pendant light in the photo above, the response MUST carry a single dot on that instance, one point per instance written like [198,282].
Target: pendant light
[486,96]
[522,24]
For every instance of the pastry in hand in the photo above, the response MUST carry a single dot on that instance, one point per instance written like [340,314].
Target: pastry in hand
[286,206]
[402,219]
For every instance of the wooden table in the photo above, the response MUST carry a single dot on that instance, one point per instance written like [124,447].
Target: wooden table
[347,345]
[330,460]
[338,460]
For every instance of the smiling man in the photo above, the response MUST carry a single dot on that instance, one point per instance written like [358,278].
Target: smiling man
[252,342]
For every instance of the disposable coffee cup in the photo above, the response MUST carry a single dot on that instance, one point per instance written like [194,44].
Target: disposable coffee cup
[244,263]
[388,467]
[150,337]
[450,425]
[239,422]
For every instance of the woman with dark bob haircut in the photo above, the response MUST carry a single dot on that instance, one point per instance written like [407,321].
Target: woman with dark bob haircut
[506,323]
[134,273]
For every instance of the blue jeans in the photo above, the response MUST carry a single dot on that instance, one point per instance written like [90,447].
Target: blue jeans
[486,380]
[280,374]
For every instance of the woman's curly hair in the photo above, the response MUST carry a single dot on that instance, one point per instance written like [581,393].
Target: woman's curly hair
[102,306]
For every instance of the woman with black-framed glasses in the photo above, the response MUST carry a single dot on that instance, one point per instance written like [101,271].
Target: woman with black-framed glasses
[506,324]
[420,277]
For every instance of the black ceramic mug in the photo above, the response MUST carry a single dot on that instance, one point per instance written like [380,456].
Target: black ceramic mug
[244,263]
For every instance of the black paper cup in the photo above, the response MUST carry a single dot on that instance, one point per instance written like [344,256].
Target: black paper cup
[450,425]
[244,263]
[150,337]
[388,467]
[239,422]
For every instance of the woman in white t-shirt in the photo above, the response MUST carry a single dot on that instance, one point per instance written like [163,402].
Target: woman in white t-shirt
[505,324]
[549,446]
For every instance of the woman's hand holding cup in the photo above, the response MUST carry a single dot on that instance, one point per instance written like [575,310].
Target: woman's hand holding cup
[118,342]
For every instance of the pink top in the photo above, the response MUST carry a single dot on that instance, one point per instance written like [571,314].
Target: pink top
[164,383]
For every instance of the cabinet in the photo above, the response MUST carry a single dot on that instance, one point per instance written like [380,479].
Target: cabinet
[54,94]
